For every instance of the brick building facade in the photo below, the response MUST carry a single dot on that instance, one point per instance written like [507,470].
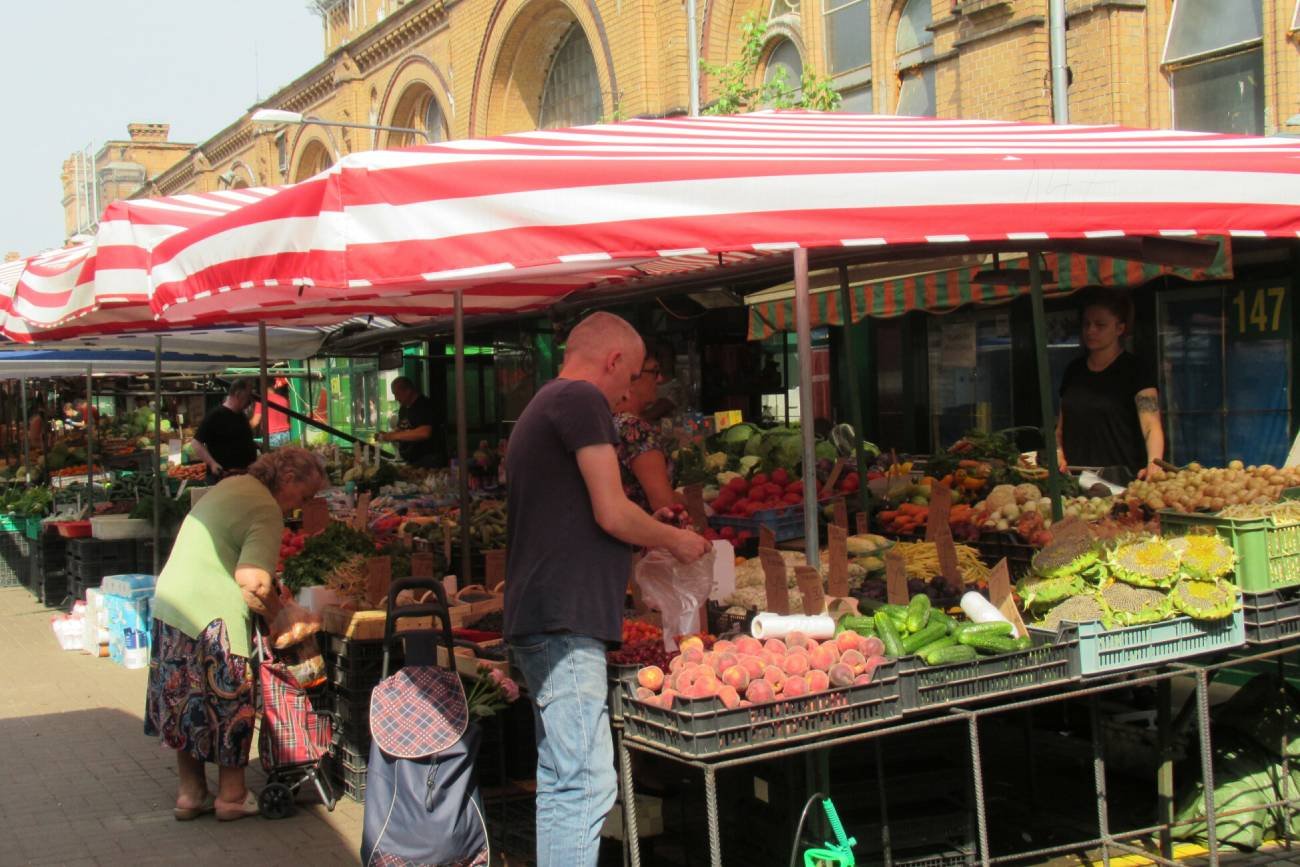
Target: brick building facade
[461,68]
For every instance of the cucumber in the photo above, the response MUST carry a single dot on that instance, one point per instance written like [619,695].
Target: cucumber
[951,654]
[929,634]
[986,643]
[946,641]
[937,616]
[886,632]
[918,612]
[892,608]
[864,626]
[995,627]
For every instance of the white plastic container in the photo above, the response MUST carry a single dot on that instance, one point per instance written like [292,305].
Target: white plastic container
[120,527]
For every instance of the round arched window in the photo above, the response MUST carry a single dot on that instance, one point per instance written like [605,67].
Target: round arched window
[435,122]
[571,96]
[784,60]
[913,47]
[315,159]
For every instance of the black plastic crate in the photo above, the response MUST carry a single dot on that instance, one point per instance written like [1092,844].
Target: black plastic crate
[51,589]
[352,780]
[616,676]
[704,728]
[1271,616]
[144,553]
[15,559]
[722,621]
[93,550]
[1051,660]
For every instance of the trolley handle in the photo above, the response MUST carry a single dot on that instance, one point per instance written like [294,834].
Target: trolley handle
[438,609]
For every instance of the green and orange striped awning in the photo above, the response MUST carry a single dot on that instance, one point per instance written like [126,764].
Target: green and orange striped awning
[944,291]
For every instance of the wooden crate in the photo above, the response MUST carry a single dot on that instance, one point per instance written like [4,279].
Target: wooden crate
[468,664]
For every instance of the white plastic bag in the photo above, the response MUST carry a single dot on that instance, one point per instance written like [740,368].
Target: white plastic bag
[676,589]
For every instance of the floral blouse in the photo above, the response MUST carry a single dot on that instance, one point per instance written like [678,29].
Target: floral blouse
[636,437]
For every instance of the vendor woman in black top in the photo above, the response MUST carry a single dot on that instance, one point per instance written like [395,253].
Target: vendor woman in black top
[1110,409]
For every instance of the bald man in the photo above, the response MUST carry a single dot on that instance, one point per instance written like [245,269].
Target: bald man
[571,532]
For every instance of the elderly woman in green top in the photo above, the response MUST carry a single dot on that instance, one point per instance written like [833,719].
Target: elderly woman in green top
[217,579]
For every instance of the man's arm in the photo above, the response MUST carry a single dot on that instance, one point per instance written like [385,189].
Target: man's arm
[414,435]
[202,453]
[623,519]
[1153,434]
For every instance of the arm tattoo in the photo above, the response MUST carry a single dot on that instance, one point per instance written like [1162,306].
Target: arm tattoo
[1147,403]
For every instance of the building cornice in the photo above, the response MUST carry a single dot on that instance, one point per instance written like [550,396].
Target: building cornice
[390,37]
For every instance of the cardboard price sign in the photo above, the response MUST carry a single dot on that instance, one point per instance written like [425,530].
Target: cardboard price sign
[495,566]
[694,498]
[810,586]
[1000,596]
[315,516]
[421,565]
[361,517]
[775,582]
[841,513]
[837,583]
[379,575]
[939,532]
[766,537]
[836,471]
[896,579]
[863,524]
[940,510]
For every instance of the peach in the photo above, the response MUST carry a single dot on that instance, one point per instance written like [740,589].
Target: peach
[863,679]
[724,646]
[691,642]
[753,666]
[744,702]
[760,691]
[794,687]
[854,660]
[736,677]
[796,639]
[675,664]
[841,675]
[748,644]
[723,661]
[664,701]
[687,676]
[873,662]
[872,646]
[775,677]
[775,646]
[693,656]
[810,645]
[730,697]
[702,689]
[651,677]
[823,658]
[818,681]
[847,640]
[796,664]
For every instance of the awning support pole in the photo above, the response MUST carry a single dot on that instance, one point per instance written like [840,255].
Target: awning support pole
[311,407]
[1045,384]
[22,398]
[462,440]
[90,438]
[855,392]
[266,394]
[157,445]
[803,326]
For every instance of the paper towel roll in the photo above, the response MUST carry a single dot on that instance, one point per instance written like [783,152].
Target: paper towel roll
[769,625]
[980,610]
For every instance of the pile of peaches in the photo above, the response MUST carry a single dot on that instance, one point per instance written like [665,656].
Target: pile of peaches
[746,671]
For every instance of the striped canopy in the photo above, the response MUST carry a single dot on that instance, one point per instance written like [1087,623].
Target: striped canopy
[519,221]
[944,291]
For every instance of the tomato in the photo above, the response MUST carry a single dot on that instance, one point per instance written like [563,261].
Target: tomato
[780,477]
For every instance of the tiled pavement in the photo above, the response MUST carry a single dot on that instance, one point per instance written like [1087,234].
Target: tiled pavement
[80,784]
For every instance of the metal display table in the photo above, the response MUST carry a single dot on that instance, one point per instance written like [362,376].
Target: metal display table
[1201,670]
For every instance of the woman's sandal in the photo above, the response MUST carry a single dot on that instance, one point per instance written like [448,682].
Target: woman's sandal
[243,811]
[189,814]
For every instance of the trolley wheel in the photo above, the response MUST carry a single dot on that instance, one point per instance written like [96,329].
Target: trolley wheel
[276,801]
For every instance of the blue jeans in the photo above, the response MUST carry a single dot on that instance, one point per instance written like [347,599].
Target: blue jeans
[576,783]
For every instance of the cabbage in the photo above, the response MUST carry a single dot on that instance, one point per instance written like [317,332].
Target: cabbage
[735,438]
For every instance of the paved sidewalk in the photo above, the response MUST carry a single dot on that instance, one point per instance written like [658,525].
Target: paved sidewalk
[80,784]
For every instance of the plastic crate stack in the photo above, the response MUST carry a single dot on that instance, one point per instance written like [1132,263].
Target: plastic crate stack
[49,576]
[15,551]
[352,670]
[89,561]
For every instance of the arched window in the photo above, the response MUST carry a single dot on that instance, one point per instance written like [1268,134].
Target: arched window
[435,122]
[315,159]
[784,59]
[418,108]
[1214,55]
[913,47]
[571,96]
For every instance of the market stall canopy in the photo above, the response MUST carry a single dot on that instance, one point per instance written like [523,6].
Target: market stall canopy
[945,290]
[48,363]
[285,344]
[521,219]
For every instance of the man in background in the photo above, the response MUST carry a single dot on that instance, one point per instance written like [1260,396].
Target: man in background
[415,425]
[224,441]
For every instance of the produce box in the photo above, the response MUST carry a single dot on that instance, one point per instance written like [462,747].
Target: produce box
[1268,554]
[12,523]
[705,728]
[1051,660]
[1102,651]
[785,524]
[1271,617]
[15,560]
[368,625]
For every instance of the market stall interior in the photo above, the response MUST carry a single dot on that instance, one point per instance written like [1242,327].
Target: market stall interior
[947,639]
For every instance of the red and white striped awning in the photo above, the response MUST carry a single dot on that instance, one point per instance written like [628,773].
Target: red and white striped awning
[519,221]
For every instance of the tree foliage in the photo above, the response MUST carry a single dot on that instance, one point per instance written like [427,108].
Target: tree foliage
[739,88]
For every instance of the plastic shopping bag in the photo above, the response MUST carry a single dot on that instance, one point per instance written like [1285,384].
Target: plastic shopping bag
[676,589]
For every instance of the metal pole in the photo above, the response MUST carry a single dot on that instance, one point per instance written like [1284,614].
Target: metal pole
[157,444]
[692,59]
[90,438]
[22,397]
[803,325]
[266,394]
[462,439]
[311,407]
[1060,69]
[855,391]
[1045,384]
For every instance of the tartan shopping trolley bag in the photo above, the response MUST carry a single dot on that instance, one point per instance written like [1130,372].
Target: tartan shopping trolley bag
[294,739]
[422,798]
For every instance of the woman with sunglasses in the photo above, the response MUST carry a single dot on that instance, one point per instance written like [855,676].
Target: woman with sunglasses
[647,468]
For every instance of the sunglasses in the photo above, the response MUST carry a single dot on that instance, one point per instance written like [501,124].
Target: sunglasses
[652,370]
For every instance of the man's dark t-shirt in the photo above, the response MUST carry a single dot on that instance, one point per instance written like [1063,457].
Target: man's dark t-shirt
[1099,416]
[228,437]
[418,414]
[564,573]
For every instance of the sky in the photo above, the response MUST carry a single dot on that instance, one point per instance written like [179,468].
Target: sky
[76,72]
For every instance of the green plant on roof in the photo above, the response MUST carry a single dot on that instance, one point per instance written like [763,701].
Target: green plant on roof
[1204,600]
[1066,557]
[1145,563]
[1204,556]
[1038,591]
[1083,608]
[1127,605]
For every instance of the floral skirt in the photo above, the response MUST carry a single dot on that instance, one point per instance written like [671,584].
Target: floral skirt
[200,697]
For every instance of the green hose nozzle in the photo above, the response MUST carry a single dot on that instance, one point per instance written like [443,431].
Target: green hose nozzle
[837,854]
